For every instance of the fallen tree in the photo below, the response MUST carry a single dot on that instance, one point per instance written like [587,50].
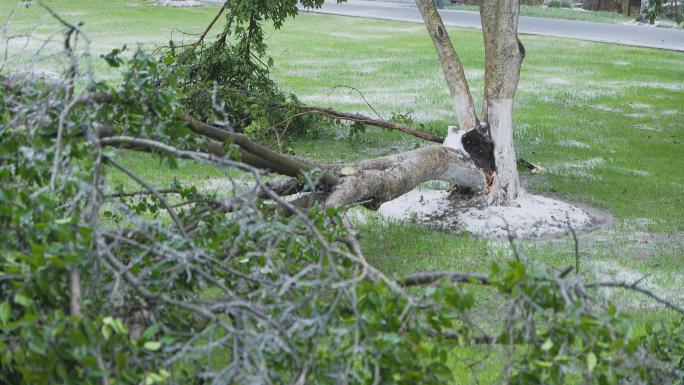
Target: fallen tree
[485,144]
[481,160]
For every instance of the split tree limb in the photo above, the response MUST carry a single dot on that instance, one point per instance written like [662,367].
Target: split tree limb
[378,180]
[382,179]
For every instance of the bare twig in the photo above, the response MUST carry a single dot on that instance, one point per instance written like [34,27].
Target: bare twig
[211,24]
[362,97]
[68,103]
[159,196]
[634,286]
[577,254]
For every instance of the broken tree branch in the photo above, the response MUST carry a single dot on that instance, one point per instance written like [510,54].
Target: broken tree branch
[382,179]
[294,165]
[428,278]
[370,121]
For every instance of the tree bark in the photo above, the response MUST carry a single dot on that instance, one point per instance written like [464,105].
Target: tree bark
[504,54]
[506,185]
[382,179]
[451,65]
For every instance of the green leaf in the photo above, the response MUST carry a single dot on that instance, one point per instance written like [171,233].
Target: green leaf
[115,324]
[548,344]
[151,331]
[591,361]
[543,364]
[21,299]
[5,312]
[155,378]
[152,346]
[106,331]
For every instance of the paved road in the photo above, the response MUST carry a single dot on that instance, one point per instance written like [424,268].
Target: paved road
[642,36]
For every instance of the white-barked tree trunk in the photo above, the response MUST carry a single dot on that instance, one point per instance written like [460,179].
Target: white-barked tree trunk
[503,58]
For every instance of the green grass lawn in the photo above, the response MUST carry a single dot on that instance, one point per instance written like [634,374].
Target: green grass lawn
[605,121]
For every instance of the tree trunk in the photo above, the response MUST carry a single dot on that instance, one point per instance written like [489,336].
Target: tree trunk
[506,185]
[503,57]
[504,54]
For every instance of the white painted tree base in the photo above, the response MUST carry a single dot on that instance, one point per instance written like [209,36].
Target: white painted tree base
[529,216]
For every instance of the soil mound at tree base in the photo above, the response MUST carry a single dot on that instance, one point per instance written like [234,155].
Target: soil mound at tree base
[530,216]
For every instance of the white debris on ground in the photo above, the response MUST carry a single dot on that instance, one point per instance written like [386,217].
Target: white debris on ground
[179,3]
[530,216]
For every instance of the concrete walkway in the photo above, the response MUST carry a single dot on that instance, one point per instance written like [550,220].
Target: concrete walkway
[635,35]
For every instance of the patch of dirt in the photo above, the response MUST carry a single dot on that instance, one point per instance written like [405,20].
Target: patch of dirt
[530,216]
